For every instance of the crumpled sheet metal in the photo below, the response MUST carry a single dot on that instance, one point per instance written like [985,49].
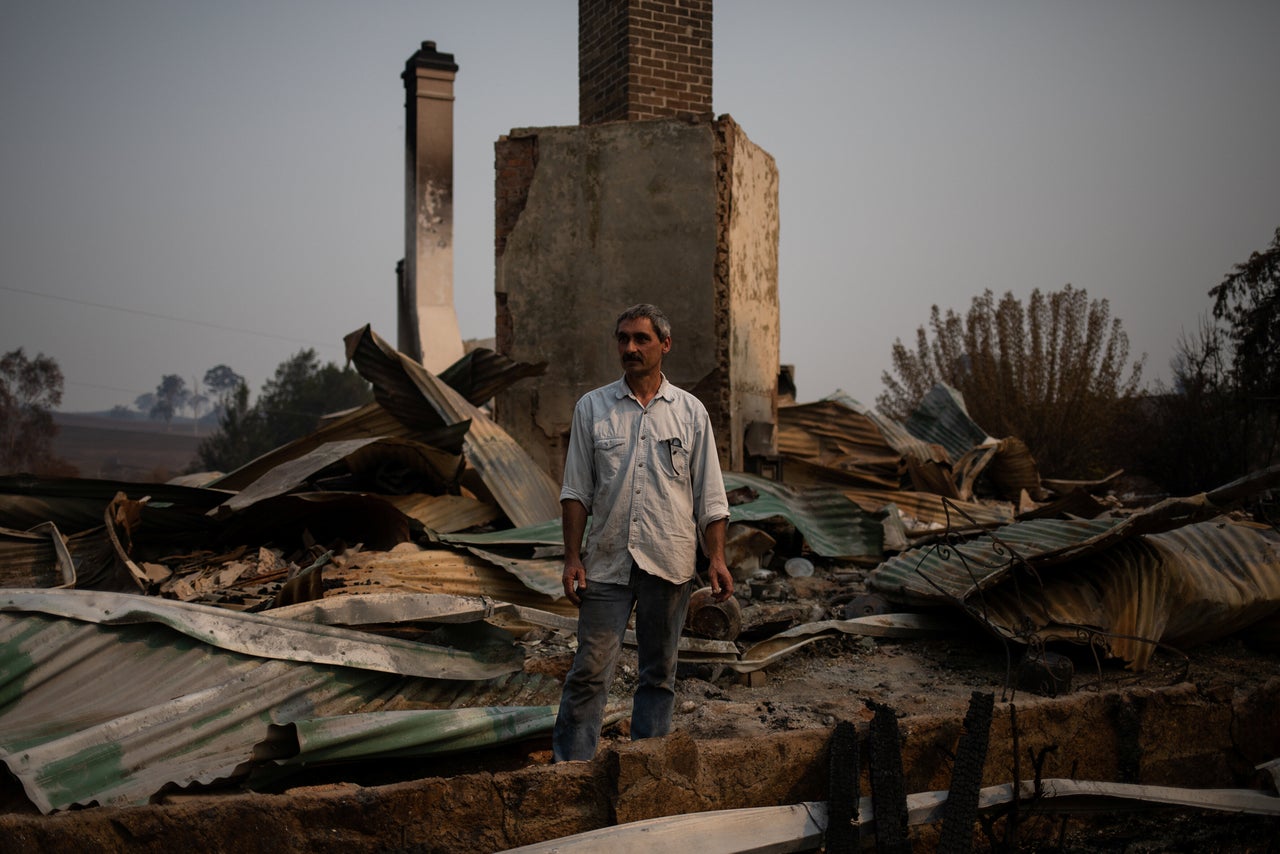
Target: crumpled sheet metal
[445,514]
[1181,587]
[113,714]
[932,512]
[260,635]
[364,609]
[482,373]
[931,573]
[360,453]
[549,534]
[534,553]
[75,504]
[543,575]
[832,525]
[950,572]
[941,418]
[832,435]
[1008,465]
[36,558]
[449,571]
[410,734]
[766,652]
[368,421]
[927,464]
[894,432]
[524,491]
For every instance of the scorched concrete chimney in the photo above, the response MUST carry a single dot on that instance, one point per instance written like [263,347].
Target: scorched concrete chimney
[428,322]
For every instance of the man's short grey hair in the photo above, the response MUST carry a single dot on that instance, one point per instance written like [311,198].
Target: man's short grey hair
[661,325]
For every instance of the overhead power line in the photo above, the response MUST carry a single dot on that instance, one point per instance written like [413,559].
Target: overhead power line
[170,317]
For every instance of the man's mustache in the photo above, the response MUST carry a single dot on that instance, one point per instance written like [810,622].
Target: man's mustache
[632,358]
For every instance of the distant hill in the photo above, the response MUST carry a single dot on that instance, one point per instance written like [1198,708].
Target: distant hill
[102,446]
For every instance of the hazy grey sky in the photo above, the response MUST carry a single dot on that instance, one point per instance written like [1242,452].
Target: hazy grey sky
[240,164]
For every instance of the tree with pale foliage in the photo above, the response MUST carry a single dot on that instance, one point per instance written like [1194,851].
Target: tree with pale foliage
[1054,373]
[30,389]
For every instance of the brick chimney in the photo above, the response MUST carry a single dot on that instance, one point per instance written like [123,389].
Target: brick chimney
[643,59]
[428,322]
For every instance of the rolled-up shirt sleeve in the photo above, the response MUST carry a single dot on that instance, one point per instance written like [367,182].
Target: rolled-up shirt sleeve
[579,482]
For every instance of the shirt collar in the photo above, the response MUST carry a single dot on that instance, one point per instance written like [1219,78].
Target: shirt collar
[665,390]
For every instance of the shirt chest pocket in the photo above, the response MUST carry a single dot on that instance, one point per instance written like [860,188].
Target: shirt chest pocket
[609,455]
[673,456]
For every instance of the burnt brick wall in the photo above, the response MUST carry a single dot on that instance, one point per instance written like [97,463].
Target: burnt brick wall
[643,59]
[514,161]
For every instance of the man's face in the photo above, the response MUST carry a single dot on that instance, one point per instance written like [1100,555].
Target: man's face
[639,348]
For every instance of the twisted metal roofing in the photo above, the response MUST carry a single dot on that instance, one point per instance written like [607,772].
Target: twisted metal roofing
[1100,581]
[525,492]
[831,434]
[832,525]
[96,707]
[941,418]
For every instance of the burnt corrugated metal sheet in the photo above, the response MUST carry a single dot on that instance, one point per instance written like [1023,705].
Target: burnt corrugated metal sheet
[549,533]
[261,635]
[359,454]
[364,609]
[35,558]
[830,434]
[933,513]
[1009,467]
[1180,588]
[534,553]
[928,465]
[76,504]
[112,713]
[442,570]
[524,491]
[941,418]
[445,514]
[482,373]
[951,571]
[540,574]
[832,525]
[369,421]
[404,735]
[1085,580]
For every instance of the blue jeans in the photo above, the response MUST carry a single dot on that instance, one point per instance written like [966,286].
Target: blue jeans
[602,619]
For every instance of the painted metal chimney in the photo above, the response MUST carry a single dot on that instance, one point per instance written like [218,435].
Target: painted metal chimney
[427,320]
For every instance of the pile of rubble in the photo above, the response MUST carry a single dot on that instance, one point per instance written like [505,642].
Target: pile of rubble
[388,585]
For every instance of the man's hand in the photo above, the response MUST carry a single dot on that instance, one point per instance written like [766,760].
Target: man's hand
[721,580]
[574,579]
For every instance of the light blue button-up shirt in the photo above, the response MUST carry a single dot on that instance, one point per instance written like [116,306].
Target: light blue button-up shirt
[649,477]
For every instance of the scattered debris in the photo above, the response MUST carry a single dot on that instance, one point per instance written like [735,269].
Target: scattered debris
[389,586]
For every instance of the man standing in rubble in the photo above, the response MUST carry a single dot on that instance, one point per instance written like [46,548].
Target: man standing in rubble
[642,463]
